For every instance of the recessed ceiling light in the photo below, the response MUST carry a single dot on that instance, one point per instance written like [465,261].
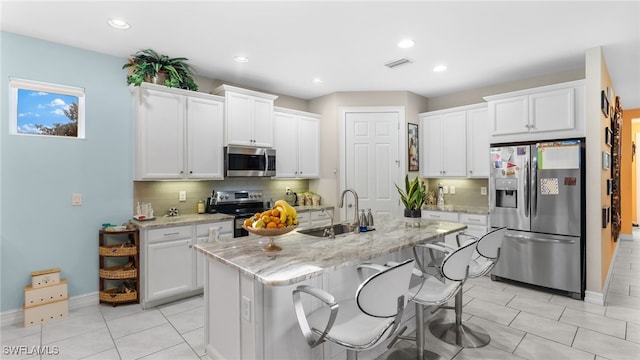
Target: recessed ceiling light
[316,81]
[241,59]
[439,68]
[406,43]
[118,24]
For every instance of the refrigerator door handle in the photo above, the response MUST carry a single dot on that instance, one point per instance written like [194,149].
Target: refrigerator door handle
[534,187]
[526,188]
[525,238]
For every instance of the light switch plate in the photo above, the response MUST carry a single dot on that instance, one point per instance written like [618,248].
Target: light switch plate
[76,199]
[445,189]
[452,190]
[483,190]
[182,196]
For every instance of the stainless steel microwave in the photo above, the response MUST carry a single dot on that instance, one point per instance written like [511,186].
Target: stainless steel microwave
[249,161]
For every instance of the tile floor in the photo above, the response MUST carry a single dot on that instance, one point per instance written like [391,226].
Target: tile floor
[523,324]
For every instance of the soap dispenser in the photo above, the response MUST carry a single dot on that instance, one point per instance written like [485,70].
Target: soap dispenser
[440,196]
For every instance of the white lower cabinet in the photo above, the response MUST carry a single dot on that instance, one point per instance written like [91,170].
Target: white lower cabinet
[314,218]
[476,223]
[225,233]
[171,266]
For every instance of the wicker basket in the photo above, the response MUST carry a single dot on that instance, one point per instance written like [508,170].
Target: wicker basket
[117,250]
[112,296]
[118,272]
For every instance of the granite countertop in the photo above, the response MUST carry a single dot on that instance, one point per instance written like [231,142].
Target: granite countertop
[187,219]
[481,210]
[303,256]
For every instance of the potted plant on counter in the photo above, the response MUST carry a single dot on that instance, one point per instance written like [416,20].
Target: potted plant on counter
[149,66]
[412,197]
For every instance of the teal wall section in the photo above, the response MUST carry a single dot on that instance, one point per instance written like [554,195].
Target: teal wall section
[39,229]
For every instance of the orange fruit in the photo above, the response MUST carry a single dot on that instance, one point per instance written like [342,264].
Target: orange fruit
[275,212]
[248,222]
[280,225]
[271,225]
[275,219]
[266,219]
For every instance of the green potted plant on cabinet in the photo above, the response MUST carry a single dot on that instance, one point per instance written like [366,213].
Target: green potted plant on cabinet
[149,66]
[412,197]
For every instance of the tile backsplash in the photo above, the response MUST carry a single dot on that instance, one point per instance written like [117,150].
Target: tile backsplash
[467,191]
[164,194]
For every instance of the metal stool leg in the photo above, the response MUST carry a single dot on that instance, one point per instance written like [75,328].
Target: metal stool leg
[419,353]
[457,333]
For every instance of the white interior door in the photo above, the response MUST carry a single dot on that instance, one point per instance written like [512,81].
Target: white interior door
[372,160]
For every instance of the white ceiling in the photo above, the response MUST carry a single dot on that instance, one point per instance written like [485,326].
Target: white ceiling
[347,43]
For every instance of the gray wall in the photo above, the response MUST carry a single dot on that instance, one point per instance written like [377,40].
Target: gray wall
[39,228]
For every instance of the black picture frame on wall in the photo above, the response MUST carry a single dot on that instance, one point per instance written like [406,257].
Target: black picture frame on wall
[413,153]
[604,103]
[608,136]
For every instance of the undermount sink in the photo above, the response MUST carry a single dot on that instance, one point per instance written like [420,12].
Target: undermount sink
[324,231]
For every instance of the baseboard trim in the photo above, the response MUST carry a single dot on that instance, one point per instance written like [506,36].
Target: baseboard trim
[626,237]
[16,316]
[593,297]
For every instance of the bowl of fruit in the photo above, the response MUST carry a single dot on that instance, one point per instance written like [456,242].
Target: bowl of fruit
[279,220]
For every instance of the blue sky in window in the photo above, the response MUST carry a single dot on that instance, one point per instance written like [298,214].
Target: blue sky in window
[42,108]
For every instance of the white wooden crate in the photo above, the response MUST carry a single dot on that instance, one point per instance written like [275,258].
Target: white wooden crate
[40,295]
[45,277]
[47,312]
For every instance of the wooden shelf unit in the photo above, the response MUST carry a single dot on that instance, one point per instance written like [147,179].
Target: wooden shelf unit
[111,245]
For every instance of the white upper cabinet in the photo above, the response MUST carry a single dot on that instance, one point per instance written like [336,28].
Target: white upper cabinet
[455,142]
[478,134]
[443,145]
[205,119]
[549,112]
[178,134]
[249,116]
[297,144]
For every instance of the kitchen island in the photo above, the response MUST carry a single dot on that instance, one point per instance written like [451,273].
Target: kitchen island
[249,309]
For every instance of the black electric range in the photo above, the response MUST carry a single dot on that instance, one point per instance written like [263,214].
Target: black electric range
[242,204]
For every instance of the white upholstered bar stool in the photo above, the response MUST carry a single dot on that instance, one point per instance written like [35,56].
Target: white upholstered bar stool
[488,253]
[363,322]
[432,291]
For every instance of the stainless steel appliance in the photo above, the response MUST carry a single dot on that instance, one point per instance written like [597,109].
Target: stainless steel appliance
[249,161]
[537,191]
[242,204]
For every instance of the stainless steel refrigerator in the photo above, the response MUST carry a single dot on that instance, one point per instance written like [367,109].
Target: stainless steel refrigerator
[537,191]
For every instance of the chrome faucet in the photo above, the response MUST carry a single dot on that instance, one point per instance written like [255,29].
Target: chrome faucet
[356,221]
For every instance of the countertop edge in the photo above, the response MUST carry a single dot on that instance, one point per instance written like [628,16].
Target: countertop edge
[314,271]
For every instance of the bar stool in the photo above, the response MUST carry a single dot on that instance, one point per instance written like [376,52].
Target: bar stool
[362,322]
[488,253]
[431,291]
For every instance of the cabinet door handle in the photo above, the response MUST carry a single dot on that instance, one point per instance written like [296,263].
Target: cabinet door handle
[170,234]
[190,171]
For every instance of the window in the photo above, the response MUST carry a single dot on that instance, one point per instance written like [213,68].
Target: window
[43,109]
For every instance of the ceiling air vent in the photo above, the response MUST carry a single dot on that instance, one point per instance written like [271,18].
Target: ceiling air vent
[395,63]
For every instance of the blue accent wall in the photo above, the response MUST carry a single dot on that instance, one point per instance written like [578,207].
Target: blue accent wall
[39,229]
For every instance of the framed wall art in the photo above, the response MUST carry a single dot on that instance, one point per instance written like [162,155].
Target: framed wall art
[604,103]
[413,151]
[606,160]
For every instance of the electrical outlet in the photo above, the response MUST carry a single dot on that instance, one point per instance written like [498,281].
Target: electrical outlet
[287,190]
[445,189]
[246,308]
[182,196]
[452,190]
[483,190]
